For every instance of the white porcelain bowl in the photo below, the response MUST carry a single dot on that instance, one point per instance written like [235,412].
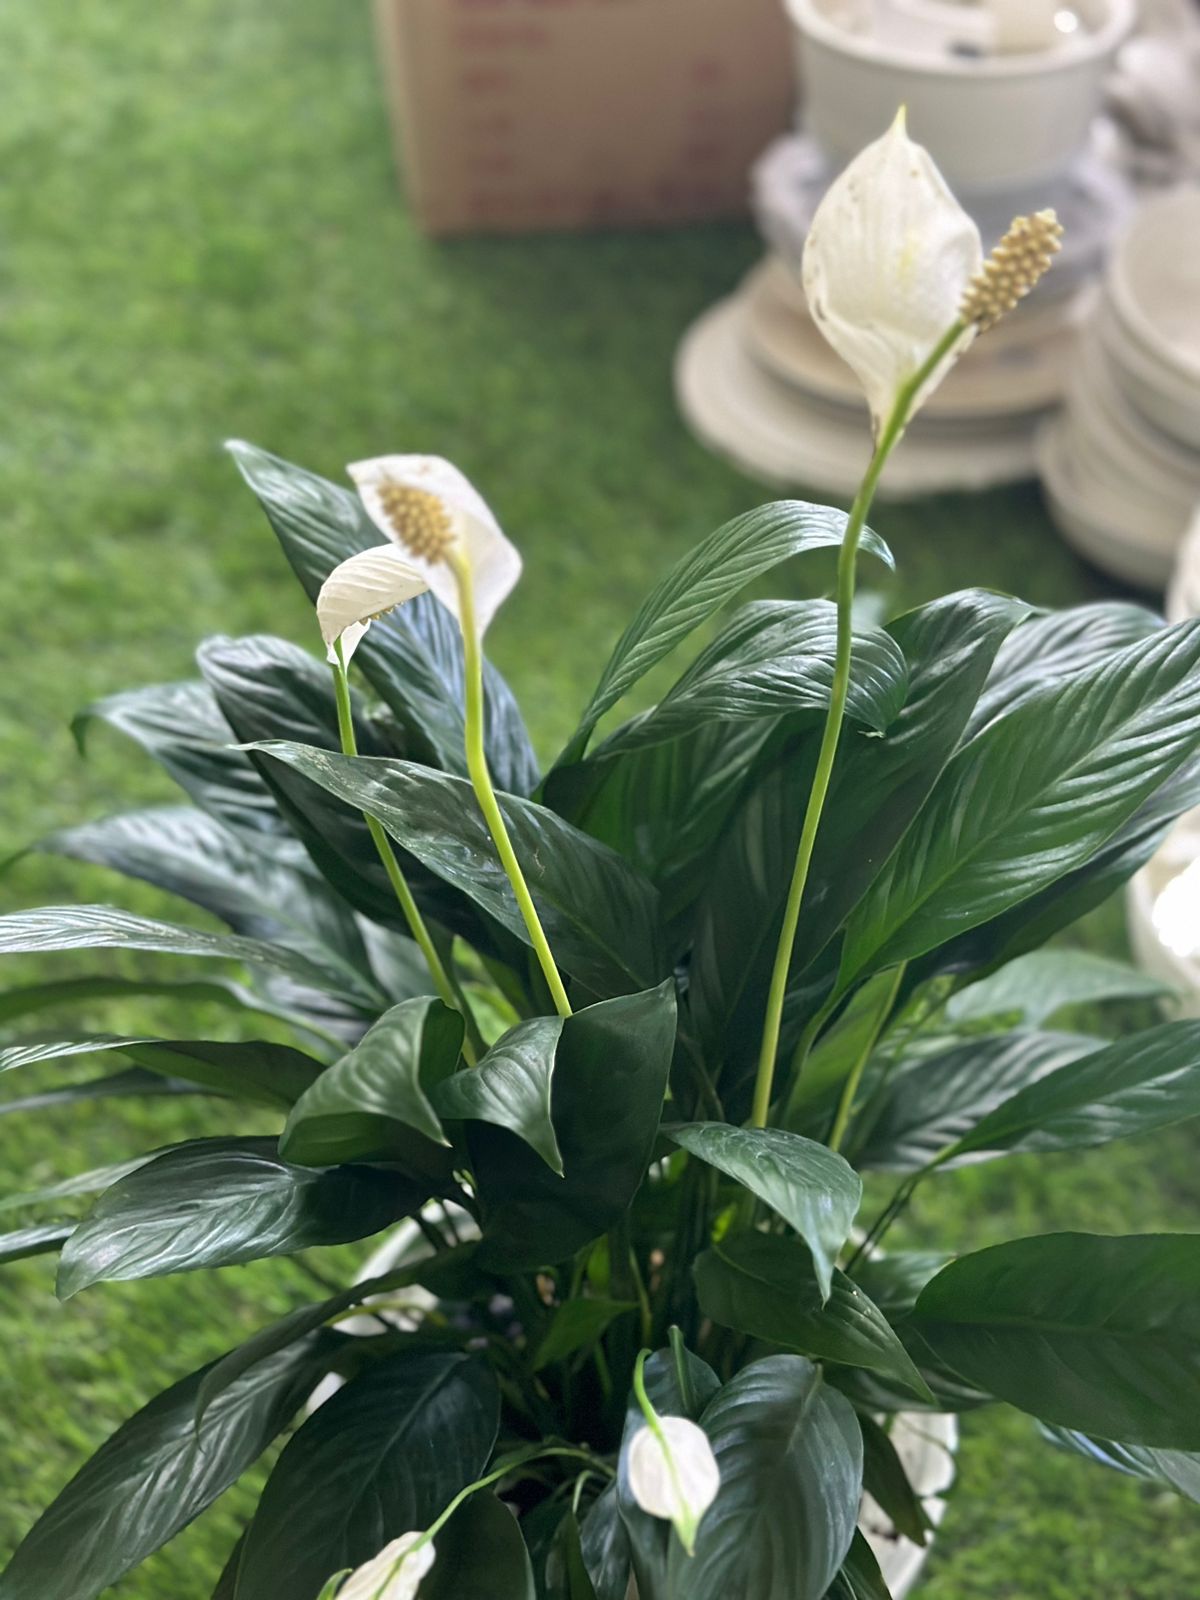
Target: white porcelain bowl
[1154,282]
[994,123]
[1163,395]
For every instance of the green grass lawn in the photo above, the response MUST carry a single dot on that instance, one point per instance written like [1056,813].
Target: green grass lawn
[200,236]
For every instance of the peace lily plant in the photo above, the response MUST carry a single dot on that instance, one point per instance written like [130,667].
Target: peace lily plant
[604,1049]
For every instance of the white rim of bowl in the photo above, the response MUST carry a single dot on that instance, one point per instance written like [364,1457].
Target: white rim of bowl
[1124,302]
[1095,46]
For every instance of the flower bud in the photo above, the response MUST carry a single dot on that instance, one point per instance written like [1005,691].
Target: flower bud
[673,1474]
[887,261]
[394,1574]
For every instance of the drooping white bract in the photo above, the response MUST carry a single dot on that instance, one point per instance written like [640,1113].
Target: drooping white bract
[394,1574]
[360,588]
[887,261]
[372,582]
[676,1476]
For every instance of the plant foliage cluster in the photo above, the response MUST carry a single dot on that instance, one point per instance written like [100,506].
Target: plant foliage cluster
[590,1186]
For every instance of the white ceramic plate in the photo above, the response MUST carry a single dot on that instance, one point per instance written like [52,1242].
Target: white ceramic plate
[1087,522]
[771,431]
[1018,367]
[1154,281]
[1167,399]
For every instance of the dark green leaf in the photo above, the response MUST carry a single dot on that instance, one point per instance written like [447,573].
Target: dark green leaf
[566,1572]
[384,1456]
[1034,796]
[435,1271]
[1178,1470]
[775,657]
[181,727]
[511,1087]
[189,854]
[808,1185]
[576,1325]
[108,928]
[606,1101]
[764,1285]
[1055,645]
[217,1202]
[927,1107]
[605,1546]
[133,1084]
[366,1106]
[1063,902]
[156,1474]
[268,1074]
[79,1183]
[879,786]
[1033,987]
[1137,1085]
[481,1555]
[37,1241]
[600,916]
[664,808]
[790,1455]
[80,991]
[886,1481]
[1098,1334]
[412,657]
[269,689]
[860,1577]
[709,575]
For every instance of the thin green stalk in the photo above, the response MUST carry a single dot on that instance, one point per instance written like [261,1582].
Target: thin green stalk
[850,1088]
[481,780]
[383,845]
[847,557]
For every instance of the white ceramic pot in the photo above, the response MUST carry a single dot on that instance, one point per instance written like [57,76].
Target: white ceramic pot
[994,124]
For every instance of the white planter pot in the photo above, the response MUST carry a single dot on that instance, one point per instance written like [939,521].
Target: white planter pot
[994,124]
[927,1444]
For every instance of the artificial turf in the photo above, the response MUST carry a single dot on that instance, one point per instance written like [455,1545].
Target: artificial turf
[200,236]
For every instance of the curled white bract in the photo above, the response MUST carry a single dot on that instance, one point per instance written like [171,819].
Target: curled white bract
[674,1476]
[887,261]
[394,1574]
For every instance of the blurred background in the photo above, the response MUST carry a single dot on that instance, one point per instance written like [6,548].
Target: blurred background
[202,236]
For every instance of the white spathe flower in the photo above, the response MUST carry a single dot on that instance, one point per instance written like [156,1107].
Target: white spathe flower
[427,509]
[394,1574]
[887,261]
[675,1476]
[360,588]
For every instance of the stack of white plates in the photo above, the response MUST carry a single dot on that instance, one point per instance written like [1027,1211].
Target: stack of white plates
[1121,464]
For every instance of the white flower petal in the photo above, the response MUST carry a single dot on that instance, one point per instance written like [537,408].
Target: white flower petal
[678,1482]
[362,587]
[888,257]
[495,563]
[376,1580]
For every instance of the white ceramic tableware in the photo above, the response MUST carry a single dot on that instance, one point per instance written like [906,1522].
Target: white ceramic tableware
[1001,121]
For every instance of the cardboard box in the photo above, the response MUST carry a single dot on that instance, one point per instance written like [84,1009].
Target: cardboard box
[515,115]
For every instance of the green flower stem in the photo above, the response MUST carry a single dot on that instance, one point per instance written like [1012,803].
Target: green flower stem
[507,1464]
[481,780]
[412,912]
[850,1088]
[888,439]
